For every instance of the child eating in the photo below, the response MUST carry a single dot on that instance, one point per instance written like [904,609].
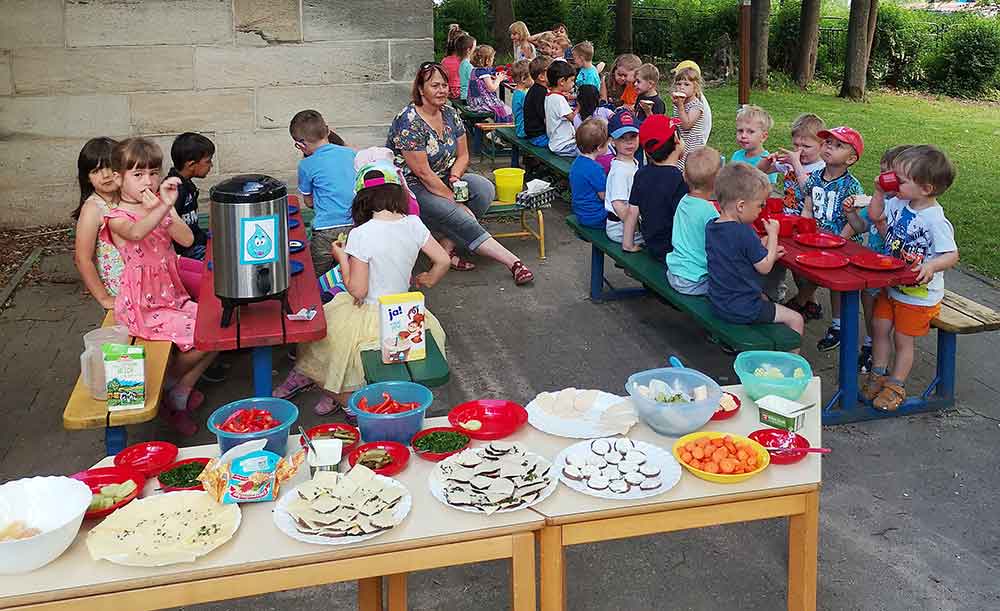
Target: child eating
[484,84]
[687,265]
[648,101]
[691,107]
[618,86]
[534,102]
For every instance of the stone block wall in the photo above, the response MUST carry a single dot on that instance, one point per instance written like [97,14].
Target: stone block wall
[235,70]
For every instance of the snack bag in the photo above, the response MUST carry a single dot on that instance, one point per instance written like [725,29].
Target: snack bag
[125,372]
[401,327]
[248,473]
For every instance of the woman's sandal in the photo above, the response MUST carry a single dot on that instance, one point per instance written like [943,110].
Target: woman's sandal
[522,275]
[889,398]
[463,265]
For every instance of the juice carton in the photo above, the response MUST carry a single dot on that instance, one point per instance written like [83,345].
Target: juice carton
[401,335]
[125,372]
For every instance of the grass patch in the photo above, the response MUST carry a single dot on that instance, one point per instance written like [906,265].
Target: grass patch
[968,132]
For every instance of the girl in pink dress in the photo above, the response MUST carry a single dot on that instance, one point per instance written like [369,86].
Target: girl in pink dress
[152,301]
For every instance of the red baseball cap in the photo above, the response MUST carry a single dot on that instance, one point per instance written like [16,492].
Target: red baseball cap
[656,130]
[846,135]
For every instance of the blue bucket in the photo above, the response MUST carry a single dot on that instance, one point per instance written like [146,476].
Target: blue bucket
[277,438]
[391,427]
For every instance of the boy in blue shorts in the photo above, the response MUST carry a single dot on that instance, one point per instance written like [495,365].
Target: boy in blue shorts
[587,180]
[326,182]
[736,258]
[825,193]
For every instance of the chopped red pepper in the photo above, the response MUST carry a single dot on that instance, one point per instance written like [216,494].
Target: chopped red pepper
[249,421]
[387,406]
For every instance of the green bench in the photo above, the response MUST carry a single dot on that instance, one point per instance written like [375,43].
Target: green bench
[431,371]
[559,165]
[652,274]
[471,118]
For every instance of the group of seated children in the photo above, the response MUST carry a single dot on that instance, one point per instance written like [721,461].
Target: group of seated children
[699,221]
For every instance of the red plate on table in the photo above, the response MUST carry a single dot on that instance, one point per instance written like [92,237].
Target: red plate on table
[877,262]
[437,456]
[721,414]
[822,259]
[777,438]
[498,418]
[329,428]
[103,476]
[148,458]
[820,240]
[399,453]
[198,459]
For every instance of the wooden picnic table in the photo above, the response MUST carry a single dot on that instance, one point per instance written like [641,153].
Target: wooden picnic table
[261,325]
[572,518]
[850,281]
[261,559]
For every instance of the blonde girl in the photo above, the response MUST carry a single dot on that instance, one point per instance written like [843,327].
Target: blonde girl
[691,107]
[98,262]
[618,86]
[519,35]
[484,85]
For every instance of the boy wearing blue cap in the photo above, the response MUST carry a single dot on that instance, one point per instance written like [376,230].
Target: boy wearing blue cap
[623,217]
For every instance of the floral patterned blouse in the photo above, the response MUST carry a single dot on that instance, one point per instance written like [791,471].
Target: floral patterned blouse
[409,133]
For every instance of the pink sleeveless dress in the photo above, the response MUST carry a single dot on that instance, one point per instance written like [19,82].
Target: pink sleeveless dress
[152,301]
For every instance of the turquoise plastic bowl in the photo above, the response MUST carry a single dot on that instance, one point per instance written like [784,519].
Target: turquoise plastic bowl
[391,427]
[277,438]
[789,387]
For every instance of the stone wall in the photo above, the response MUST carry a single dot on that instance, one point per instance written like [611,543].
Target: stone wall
[235,70]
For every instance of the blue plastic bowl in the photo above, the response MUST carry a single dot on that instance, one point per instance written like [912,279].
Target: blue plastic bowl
[674,419]
[788,387]
[391,427]
[277,438]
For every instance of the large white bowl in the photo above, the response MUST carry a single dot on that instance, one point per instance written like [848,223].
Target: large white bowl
[55,505]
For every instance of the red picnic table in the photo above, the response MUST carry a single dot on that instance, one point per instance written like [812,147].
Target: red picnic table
[261,325]
[850,281]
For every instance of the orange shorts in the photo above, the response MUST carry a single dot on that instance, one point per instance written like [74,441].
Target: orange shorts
[912,320]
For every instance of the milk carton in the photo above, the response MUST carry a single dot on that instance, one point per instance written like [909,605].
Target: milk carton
[125,372]
[401,335]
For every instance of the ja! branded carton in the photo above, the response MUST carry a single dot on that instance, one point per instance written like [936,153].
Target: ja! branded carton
[401,330]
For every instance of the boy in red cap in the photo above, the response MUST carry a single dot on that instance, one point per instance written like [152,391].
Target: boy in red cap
[825,191]
[659,185]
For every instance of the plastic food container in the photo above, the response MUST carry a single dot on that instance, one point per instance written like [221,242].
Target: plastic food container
[391,427]
[277,438]
[674,419]
[787,386]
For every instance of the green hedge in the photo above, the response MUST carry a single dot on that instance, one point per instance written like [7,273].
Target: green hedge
[966,61]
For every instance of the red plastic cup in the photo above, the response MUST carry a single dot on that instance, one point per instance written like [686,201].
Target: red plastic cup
[888,182]
[775,205]
[806,225]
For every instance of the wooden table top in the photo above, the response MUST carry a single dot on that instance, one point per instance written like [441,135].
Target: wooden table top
[848,278]
[260,323]
[566,505]
[258,544]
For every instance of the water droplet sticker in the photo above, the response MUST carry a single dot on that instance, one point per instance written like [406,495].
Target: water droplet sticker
[257,240]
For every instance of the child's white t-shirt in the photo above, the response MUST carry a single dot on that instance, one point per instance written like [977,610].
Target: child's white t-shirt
[390,249]
[619,182]
[561,134]
[918,236]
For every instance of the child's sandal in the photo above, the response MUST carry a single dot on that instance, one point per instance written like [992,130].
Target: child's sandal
[522,275]
[889,398]
[872,386]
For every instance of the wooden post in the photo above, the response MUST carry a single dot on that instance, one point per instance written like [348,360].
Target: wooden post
[744,52]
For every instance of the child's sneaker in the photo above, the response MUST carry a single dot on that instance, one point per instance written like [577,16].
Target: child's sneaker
[830,342]
[295,383]
[865,359]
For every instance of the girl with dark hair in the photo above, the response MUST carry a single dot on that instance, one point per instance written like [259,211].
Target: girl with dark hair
[98,262]
[588,99]
[452,60]
[377,260]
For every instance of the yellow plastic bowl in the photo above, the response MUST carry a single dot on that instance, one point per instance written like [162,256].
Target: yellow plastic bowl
[510,182]
[763,458]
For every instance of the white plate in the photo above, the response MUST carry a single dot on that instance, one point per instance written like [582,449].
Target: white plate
[437,487]
[578,428]
[670,472]
[286,523]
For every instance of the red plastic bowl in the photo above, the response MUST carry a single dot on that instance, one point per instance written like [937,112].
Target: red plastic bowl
[777,438]
[499,418]
[400,456]
[203,460]
[820,240]
[102,476]
[721,414]
[437,456]
[334,426]
[148,457]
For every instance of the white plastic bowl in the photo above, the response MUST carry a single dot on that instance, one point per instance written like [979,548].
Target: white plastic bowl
[55,505]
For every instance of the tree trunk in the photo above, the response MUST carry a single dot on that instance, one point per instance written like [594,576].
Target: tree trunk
[760,26]
[872,23]
[623,26]
[856,64]
[805,65]
[503,16]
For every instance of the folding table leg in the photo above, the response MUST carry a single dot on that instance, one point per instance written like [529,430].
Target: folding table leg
[515,156]
[596,274]
[261,371]
[947,349]
[115,438]
[849,312]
